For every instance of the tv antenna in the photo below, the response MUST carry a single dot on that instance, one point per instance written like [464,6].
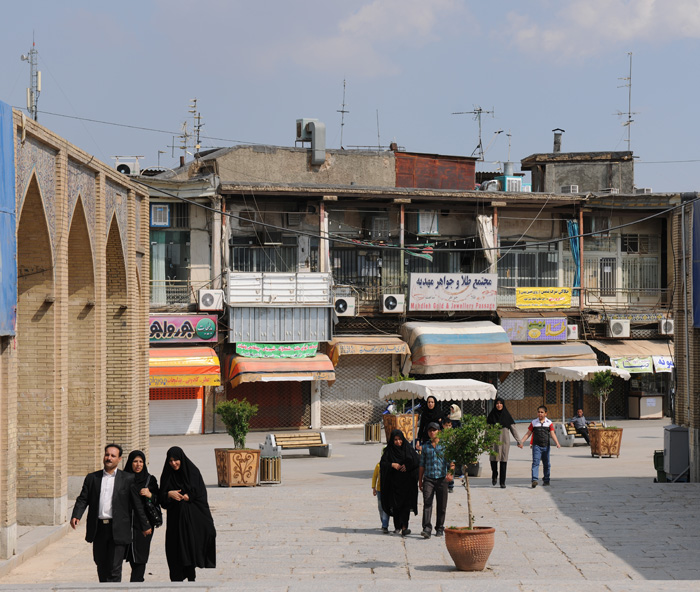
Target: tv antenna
[34,81]
[628,123]
[477,113]
[342,112]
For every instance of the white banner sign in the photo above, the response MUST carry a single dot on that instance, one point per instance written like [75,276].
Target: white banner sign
[453,291]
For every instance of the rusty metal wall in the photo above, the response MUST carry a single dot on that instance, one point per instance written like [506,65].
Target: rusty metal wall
[354,397]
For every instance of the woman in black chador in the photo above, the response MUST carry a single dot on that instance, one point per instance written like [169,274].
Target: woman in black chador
[500,415]
[147,487]
[431,413]
[190,536]
[399,478]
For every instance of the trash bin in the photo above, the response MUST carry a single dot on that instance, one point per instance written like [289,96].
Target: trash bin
[659,466]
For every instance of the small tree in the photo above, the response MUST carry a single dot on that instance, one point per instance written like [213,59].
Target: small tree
[236,416]
[465,444]
[602,383]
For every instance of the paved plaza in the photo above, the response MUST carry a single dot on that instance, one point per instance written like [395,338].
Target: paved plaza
[602,525]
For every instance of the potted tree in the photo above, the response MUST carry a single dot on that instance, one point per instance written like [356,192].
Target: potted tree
[605,440]
[399,419]
[237,466]
[469,546]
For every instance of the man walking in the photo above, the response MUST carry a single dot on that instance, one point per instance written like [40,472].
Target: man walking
[109,496]
[433,479]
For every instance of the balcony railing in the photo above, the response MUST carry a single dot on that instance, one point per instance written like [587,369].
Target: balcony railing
[170,292]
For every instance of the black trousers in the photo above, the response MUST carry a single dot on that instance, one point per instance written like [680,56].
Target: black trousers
[108,556]
[584,432]
[138,571]
[434,488]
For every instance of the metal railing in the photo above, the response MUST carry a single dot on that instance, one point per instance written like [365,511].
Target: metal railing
[170,292]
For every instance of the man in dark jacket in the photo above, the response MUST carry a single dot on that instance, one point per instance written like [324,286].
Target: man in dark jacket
[109,496]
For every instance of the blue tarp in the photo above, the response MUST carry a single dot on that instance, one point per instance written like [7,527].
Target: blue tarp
[8,241]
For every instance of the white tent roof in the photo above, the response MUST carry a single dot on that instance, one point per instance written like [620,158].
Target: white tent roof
[458,389]
[581,373]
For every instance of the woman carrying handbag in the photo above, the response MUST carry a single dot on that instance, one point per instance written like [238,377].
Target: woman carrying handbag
[147,487]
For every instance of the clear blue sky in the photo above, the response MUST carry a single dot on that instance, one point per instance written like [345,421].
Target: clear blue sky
[255,67]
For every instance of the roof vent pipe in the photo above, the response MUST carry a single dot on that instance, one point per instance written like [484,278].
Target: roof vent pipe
[557,139]
[318,141]
[508,169]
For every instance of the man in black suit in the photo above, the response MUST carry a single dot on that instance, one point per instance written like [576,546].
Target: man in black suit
[109,496]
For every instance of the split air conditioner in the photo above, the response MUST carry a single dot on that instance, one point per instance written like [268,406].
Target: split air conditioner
[394,303]
[619,328]
[211,299]
[572,331]
[666,327]
[344,306]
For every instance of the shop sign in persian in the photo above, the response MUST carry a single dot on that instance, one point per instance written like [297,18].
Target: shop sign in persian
[277,350]
[663,363]
[535,330]
[183,328]
[634,364]
[543,297]
[453,291]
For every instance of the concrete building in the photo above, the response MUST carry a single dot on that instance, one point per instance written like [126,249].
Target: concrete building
[73,358]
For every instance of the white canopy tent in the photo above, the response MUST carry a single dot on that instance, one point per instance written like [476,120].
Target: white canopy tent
[579,373]
[458,389]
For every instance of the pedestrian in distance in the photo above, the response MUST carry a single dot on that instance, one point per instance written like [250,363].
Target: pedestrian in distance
[499,415]
[540,429]
[190,535]
[581,426]
[398,472]
[147,487]
[431,413]
[111,499]
[376,491]
[433,478]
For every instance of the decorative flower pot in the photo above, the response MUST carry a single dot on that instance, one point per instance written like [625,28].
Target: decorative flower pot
[605,441]
[470,549]
[236,467]
[403,422]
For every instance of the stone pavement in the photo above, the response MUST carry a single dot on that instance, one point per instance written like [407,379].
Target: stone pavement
[603,524]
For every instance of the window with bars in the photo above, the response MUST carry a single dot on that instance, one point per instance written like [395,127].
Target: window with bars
[248,255]
[527,267]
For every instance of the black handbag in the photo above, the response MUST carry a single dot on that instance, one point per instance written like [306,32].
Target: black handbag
[153,511]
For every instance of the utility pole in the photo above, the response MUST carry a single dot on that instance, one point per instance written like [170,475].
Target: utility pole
[342,112]
[34,81]
[629,113]
[477,113]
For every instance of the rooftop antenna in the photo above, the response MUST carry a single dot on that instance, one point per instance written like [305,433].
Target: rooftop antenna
[34,81]
[196,124]
[629,113]
[509,137]
[379,142]
[342,112]
[477,113]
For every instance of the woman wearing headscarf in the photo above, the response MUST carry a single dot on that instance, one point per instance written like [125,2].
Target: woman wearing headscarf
[190,536]
[500,415]
[398,469]
[455,415]
[430,414]
[147,487]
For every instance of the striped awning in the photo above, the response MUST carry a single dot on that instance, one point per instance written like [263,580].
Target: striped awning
[183,367]
[437,348]
[366,344]
[546,356]
[242,369]
[638,356]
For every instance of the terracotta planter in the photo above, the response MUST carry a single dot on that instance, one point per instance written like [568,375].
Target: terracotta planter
[237,467]
[403,422]
[470,549]
[605,441]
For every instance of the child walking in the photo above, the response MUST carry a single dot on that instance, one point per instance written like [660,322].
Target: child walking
[540,429]
[376,491]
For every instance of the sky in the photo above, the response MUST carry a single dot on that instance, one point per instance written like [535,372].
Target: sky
[118,78]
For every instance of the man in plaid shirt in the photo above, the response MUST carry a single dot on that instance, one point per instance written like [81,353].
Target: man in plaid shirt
[433,479]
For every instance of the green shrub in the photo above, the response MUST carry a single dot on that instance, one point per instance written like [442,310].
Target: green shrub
[236,416]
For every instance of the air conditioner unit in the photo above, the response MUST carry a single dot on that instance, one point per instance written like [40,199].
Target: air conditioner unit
[666,327]
[643,190]
[344,306]
[211,299]
[128,167]
[569,189]
[393,303]
[610,190]
[303,132]
[572,331]
[619,328]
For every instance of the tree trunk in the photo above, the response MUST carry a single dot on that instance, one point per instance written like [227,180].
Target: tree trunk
[469,497]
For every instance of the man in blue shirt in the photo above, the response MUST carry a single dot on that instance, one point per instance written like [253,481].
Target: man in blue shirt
[433,478]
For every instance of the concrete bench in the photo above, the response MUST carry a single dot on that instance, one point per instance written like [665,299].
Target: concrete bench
[315,442]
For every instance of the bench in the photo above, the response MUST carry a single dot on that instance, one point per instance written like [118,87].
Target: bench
[571,430]
[315,442]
